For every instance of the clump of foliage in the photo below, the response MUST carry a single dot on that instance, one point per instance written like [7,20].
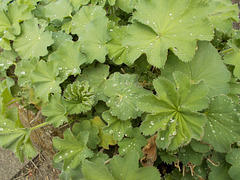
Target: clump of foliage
[148,88]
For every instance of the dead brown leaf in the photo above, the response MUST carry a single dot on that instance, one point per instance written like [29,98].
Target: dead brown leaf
[150,152]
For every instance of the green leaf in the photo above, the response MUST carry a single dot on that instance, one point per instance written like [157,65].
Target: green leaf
[174,111]
[232,57]
[223,14]
[106,138]
[120,168]
[78,3]
[234,90]
[72,150]
[126,5]
[222,127]
[182,23]
[94,39]
[58,9]
[7,58]
[234,159]
[133,141]
[117,51]
[188,155]
[24,70]
[96,77]
[9,20]
[55,111]
[85,126]
[14,137]
[116,126]
[219,172]
[124,91]
[78,97]
[44,78]
[33,41]
[83,17]
[201,69]
[200,146]
[69,58]
[60,38]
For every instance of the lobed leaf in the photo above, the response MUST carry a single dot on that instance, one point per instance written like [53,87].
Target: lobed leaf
[72,149]
[123,91]
[177,29]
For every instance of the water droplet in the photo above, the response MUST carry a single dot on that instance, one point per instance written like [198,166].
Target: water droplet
[214,131]
[111,30]
[147,22]
[180,20]
[39,37]
[154,22]
[1,64]
[91,13]
[4,123]
[152,123]
[71,151]
[1,129]
[170,14]
[151,44]
[22,73]
[60,157]
[100,47]
[174,133]
[162,138]
[191,34]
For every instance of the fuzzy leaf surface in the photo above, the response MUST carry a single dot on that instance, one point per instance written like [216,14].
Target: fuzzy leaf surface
[182,23]
[201,69]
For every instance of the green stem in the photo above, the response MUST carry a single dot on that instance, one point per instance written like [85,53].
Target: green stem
[15,100]
[39,126]
[226,51]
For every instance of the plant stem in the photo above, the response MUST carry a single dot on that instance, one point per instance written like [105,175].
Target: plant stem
[15,100]
[39,126]
[226,51]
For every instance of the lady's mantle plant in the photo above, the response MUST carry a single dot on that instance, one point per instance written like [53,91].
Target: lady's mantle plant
[149,80]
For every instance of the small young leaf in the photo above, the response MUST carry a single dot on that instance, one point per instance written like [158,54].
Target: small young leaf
[106,138]
[96,77]
[78,97]
[234,159]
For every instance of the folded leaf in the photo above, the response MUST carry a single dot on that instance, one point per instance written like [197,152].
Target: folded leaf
[174,111]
